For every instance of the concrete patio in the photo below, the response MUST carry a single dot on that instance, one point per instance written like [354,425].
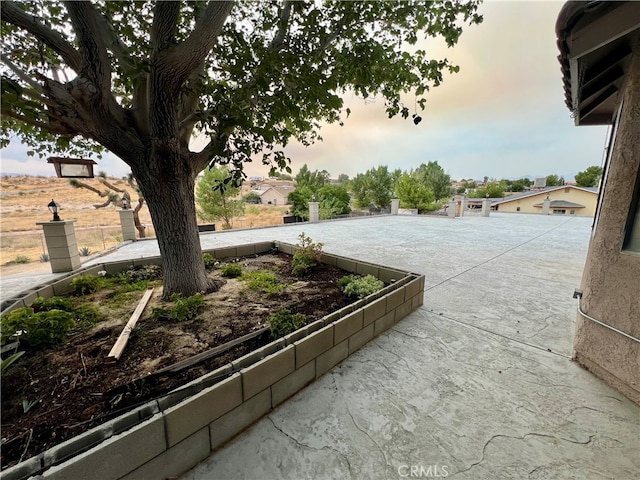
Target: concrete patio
[477,383]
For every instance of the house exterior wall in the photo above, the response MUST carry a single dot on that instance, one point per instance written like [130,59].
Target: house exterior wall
[611,278]
[273,197]
[526,204]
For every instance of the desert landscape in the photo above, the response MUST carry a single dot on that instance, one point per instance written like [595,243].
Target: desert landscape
[23,203]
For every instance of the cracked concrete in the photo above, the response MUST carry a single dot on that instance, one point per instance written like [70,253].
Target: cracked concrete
[477,383]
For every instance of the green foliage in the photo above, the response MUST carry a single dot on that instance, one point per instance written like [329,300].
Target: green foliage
[314,180]
[22,259]
[209,260]
[44,258]
[373,189]
[360,287]
[306,256]
[29,404]
[183,308]
[214,197]
[495,190]
[231,270]
[334,200]
[85,284]
[87,315]
[554,181]
[413,192]
[516,185]
[4,364]
[263,281]
[590,177]
[36,329]
[84,251]
[142,272]
[435,180]
[53,303]
[284,322]
[252,198]
[299,200]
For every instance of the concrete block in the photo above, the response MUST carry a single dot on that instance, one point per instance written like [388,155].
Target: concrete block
[66,251]
[374,311]
[239,419]
[147,261]
[29,298]
[132,418]
[346,264]
[177,460]
[264,247]
[24,469]
[45,292]
[268,371]
[243,250]
[331,358]
[367,269]
[92,270]
[417,301]
[113,268]
[388,275]
[347,326]
[225,252]
[257,355]
[329,259]
[295,336]
[395,299]
[61,265]
[207,378]
[384,323]
[286,248]
[315,326]
[403,310]
[62,286]
[412,288]
[200,410]
[313,345]
[358,339]
[293,383]
[113,458]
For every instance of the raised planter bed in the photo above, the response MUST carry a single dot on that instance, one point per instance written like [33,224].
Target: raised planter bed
[170,435]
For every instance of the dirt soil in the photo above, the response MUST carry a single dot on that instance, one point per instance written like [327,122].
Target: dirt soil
[75,388]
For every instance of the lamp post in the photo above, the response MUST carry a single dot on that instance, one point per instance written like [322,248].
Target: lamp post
[125,202]
[54,208]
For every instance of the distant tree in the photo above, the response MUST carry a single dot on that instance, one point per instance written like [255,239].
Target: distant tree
[590,177]
[334,200]
[554,180]
[314,180]
[494,189]
[114,196]
[412,192]
[281,175]
[343,178]
[520,185]
[252,197]
[299,200]
[373,188]
[434,177]
[215,197]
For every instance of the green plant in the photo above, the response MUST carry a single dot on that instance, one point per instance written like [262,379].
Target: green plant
[44,258]
[22,259]
[307,255]
[87,315]
[284,322]
[53,303]
[84,284]
[9,360]
[209,260]
[183,308]
[263,281]
[29,404]
[84,252]
[231,270]
[142,272]
[36,329]
[355,286]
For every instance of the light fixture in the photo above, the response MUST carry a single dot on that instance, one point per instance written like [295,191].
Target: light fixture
[125,202]
[72,167]
[54,208]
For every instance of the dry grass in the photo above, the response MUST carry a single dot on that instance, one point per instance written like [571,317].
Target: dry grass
[24,203]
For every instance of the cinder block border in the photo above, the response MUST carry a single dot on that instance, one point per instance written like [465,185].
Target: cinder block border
[185,426]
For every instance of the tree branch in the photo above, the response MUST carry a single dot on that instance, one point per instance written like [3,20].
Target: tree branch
[13,14]
[165,19]
[22,75]
[283,27]
[114,43]
[203,157]
[78,184]
[36,123]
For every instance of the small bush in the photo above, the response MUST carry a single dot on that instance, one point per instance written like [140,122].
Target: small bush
[231,270]
[53,303]
[284,322]
[142,272]
[209,260]
[307,256]
[85,284]
[183,309]
[44,258]
[87,315]
[263,281]
[84,252]
[36,329]
[22,259]
[353,286]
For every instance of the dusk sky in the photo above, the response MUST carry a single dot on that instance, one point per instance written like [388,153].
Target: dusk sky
[502,116]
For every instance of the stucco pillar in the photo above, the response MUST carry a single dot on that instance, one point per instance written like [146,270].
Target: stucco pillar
[314,212]
[486,207]
[61,245]
[451,209]
[464,204]
[395,206]
[546,205]
[127,224]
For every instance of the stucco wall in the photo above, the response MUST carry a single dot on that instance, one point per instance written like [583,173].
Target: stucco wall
[574,195]
[272,197]
[611,279]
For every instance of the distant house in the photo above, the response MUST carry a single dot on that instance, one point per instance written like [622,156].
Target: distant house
[272,196]
[562,200]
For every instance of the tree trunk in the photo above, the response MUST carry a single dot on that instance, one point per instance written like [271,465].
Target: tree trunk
[171,201]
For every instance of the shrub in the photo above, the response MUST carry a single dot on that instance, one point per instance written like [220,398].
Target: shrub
[232,270]
[354,286]
[84,252]
[307,256]
[263,281]
[84,284]
[22,259]
[209,260]
[142,272]
[284,322]
[53,303]
[36,329]
[87,315]
[183,309]
[44,258]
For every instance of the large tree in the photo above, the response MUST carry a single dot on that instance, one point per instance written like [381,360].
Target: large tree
[436,179]
[590,177]
[216,201]
[140,79]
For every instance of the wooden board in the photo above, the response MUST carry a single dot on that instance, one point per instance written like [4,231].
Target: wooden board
[118,347]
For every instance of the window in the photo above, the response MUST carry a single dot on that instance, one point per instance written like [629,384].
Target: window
[559,211]
[567,190]
[572,212]
[517,209]
[632,230]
